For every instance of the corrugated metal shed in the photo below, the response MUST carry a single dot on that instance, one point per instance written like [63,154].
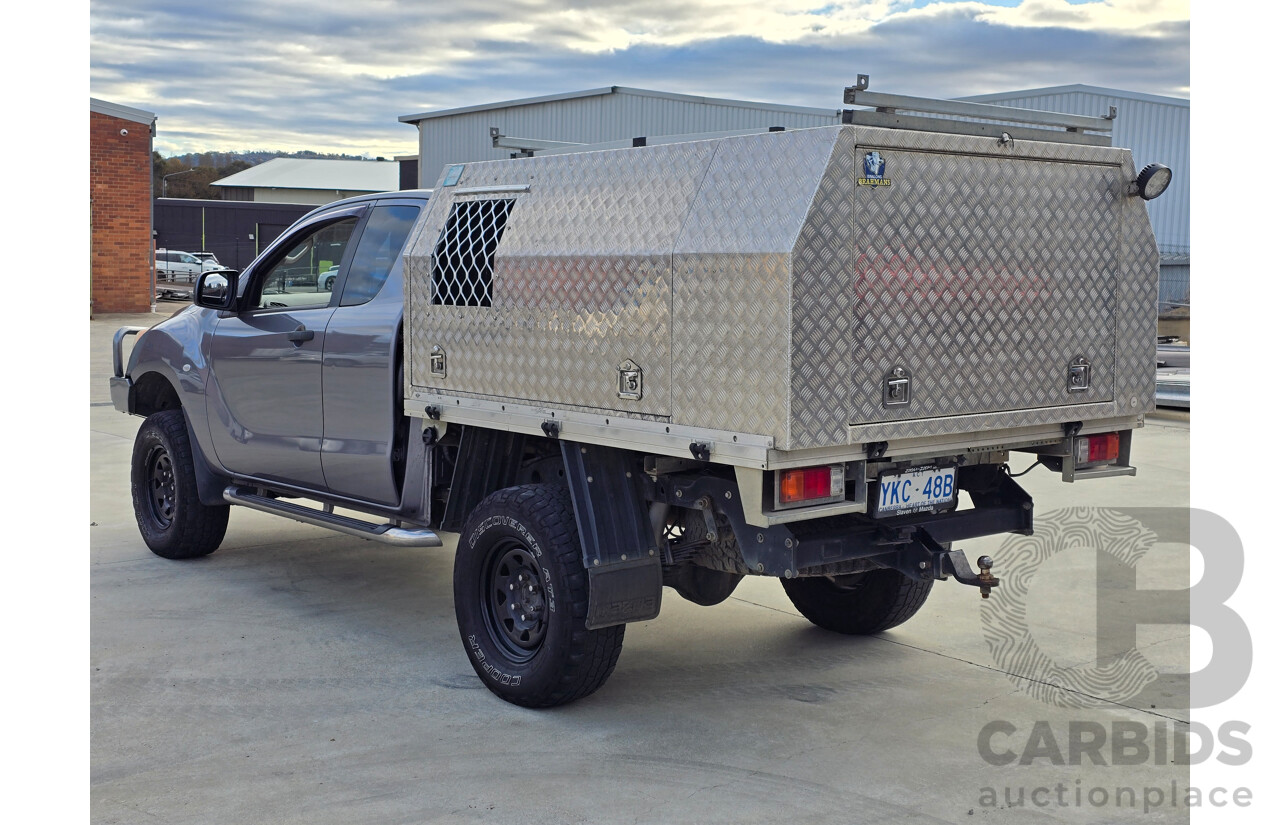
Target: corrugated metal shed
[318,173]
[591,116]
[1156,128]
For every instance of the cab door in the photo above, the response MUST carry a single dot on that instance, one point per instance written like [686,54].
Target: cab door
[265,401]
[363,389]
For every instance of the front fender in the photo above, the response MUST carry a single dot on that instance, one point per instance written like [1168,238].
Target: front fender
[177,351]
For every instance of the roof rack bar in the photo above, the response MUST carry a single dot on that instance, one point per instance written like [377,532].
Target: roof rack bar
[1001,131]
[527,145]
[891,104]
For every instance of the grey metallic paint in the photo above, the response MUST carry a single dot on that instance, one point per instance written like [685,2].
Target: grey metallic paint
[265,394]
[361,395]
[251,425]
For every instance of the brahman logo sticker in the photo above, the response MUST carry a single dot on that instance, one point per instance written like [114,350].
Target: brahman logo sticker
[873,170]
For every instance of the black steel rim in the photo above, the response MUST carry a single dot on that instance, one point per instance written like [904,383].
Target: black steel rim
[161,488]
[514,602]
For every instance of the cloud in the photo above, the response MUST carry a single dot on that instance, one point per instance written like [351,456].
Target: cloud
[335,75]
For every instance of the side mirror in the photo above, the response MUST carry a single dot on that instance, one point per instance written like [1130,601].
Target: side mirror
[216,289]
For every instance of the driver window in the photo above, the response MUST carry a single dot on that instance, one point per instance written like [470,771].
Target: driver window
[304,277]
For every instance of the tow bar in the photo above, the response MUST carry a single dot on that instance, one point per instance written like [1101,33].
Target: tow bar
[954,563]
[934,561]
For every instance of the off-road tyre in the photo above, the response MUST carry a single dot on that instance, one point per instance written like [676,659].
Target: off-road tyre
[166,503]
[534,651]
[859,603]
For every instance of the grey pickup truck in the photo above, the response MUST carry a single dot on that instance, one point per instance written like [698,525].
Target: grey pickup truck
[803,354]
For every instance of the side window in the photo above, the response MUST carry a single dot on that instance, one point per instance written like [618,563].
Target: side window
[462,265]
[296,278]
[380,245]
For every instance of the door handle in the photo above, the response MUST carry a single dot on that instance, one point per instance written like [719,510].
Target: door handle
[301,334]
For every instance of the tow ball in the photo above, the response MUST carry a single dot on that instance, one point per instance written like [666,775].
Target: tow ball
[954,563]
[987,580]
[934,560]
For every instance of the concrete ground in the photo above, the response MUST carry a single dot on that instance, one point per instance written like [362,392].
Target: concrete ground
[302,676]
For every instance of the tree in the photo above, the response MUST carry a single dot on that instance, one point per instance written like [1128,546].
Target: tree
[194,181]
[202,169]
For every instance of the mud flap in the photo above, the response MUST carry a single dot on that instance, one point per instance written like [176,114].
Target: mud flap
[624,592]
[619,551]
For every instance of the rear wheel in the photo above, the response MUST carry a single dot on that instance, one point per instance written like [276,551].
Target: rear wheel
[166,503]
[859,603]
[520,595]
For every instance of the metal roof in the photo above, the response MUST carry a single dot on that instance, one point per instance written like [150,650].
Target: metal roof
[1155,127]
[318,173]
[1079,87]
[104,107]
[615,90]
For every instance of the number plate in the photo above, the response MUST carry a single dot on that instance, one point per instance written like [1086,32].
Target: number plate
[923,489]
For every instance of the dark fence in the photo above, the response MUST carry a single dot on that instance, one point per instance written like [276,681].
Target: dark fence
[235,231]
[1175,288]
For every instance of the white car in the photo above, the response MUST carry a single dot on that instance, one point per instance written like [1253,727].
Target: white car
[208,259]
[172,263]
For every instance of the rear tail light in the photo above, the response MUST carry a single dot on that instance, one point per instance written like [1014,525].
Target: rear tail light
[1094,449]
[810,485]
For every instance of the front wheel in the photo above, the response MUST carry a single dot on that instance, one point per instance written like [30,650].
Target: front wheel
[520,595]
[173,522]
[860,603]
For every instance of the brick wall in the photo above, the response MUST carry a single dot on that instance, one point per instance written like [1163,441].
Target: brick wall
[120,192]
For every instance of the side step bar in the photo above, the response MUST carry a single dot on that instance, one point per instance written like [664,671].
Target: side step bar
[385,533]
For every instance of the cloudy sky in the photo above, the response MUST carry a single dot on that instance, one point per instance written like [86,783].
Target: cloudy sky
[334,75]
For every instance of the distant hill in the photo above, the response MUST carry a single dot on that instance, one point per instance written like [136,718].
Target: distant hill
[189,175]
[253,158]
